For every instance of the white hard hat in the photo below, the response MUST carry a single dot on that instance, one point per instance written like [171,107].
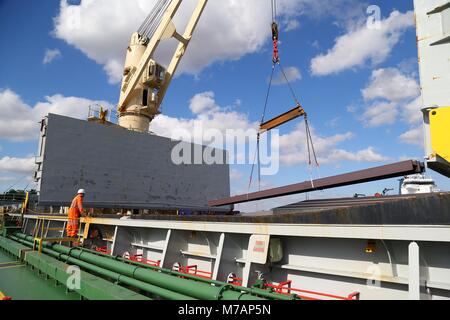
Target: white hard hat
[81,191]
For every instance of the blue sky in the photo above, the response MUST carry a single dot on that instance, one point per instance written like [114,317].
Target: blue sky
[236,80]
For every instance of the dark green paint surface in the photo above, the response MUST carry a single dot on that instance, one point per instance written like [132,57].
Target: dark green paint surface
[22,283]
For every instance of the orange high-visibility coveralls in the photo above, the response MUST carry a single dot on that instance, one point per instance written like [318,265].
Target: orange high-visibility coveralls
[76,208]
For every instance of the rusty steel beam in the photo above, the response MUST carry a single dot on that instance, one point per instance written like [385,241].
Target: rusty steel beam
[373,174]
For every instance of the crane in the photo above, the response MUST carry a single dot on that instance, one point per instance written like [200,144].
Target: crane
[145,81]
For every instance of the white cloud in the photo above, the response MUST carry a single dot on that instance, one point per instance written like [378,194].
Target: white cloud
[380,114]
[207,116]
[227,31]
[292,74]
[411,112]
[392,85]
[400,98]
[352,109]
[101,30]
[21,124]
[333,123]
[315,44]
[412,115]
[363,45]
[291,24]
[394,94]
[50,55]
[405,158]
[293,148]
[414,136]
[19,121]
[203,102]
[16,165]
[366,155]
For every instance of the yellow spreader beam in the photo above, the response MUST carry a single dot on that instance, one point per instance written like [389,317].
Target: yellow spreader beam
[298,111]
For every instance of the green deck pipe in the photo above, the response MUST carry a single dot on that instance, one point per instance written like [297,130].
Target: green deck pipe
[254,291]
[187,287]
[160,292]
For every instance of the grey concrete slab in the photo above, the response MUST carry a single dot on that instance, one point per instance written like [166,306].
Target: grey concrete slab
[121,169]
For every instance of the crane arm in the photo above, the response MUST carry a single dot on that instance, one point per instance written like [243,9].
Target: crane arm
[182,47]
[166,29]
[151,48]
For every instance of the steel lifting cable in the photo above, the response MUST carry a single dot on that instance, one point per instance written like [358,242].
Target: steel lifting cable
[156,22]
[276,61]
[150,17]
[310,144]
[274,10]
[258,135]
[253,168]
[150,29]
[154,16]
[310,147]
[148,20]
[294,96]
[153,20]
[16,183]
[308,133]
[309,140]
[268,93]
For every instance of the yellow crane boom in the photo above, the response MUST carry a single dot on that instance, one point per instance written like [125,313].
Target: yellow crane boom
[145,82]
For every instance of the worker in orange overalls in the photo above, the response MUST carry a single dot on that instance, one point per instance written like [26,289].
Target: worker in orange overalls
[76,209]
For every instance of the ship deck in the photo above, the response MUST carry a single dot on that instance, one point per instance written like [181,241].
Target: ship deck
[416,209]
[419,209]
[22,283]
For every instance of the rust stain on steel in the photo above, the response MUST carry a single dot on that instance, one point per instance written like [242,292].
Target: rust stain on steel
[367,175]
